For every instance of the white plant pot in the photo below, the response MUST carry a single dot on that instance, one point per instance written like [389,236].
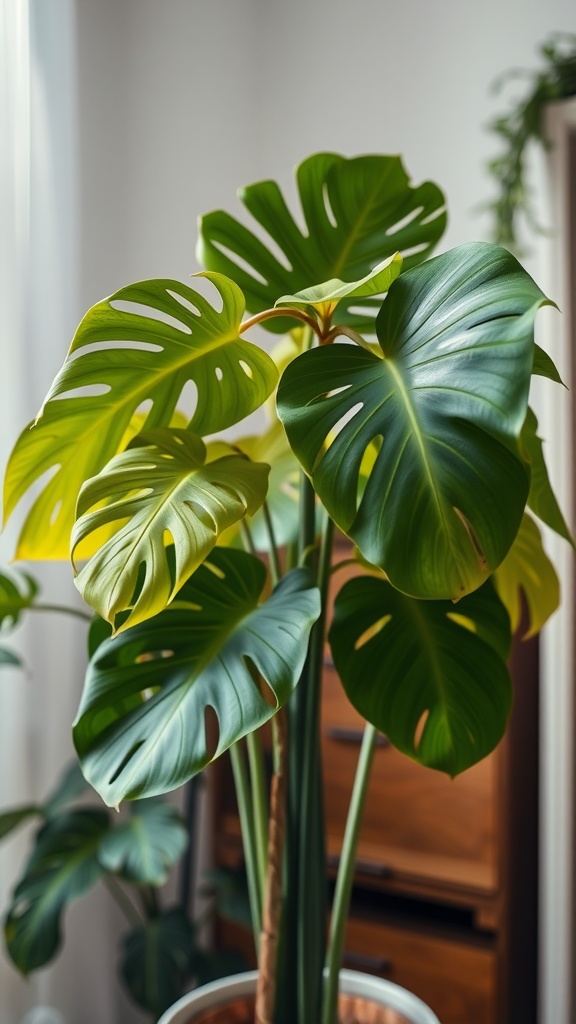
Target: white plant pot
[353,983]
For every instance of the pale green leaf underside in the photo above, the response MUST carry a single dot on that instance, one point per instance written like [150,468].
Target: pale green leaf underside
[163,495]
[325,297]
[138,349]
[528,570]
[144,847]
[357,212]
[214,647]
[430,675]
[445,401]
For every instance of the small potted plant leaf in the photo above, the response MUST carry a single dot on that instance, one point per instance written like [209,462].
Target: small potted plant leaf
[396,411]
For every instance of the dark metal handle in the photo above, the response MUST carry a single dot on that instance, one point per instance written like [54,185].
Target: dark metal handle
[345,734]
[377,964]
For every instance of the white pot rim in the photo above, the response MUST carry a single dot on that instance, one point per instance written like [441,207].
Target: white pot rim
[352,982]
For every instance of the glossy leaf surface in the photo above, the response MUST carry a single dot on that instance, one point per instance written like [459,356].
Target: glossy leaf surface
[63,866]
[431,675]
[161,492]
[528,570]
[140,347]
[445,401]
[357,212]
[144,846]
[141,726]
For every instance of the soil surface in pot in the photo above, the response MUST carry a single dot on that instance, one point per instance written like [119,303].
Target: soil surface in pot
[352,1010]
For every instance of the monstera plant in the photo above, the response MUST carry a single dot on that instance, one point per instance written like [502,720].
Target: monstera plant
[394,410]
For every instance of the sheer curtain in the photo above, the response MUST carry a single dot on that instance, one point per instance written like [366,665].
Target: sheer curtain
[39,308]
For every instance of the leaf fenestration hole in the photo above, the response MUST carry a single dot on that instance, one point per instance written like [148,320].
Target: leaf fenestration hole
[434,215]
[125,761]
[150,312]
[188,400]
[336,431]
[184,302]
[216,570]
[404,221]
[239,262]
[328,205]
[218,373]
[260,683]
[202,514]
[413,250]
[211,731]
[419,730]
[55,512]
[372,631]
[247,369]
[462,620]
[84,391]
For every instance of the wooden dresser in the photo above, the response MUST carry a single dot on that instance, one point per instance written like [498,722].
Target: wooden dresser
[445,900]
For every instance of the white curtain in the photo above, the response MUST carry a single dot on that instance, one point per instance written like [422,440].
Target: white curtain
[39,308]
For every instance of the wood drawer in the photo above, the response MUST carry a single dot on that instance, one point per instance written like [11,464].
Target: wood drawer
[457,979]
[418,824]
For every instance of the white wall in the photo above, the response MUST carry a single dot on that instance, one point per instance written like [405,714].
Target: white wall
[181,101]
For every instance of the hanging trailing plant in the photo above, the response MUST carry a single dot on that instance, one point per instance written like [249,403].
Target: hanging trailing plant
[521,126]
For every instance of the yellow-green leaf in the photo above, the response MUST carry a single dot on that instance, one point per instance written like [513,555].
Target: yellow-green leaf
[527,569]
[137,350]
[160,492]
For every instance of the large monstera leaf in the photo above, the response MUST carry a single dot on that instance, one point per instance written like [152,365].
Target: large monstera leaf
[430,675]
[139,348]
[166,496]
[141,726]
[445,400]
[357,213]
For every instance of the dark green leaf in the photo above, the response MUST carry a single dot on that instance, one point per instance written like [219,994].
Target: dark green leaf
[445,401]
[159,960]
[10,820]
[357,213]
[62,867]
[214,647]
[144,846]
[541,498]
[431,675]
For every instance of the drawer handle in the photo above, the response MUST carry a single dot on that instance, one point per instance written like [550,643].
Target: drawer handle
[363,867]
[380,965]
[345,734]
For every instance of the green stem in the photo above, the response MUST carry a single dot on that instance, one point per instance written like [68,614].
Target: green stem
[287,311]
[247,537]
[61,609]
[245,814]
[259,803]
[313,882]
[121,899]
[275,566]
[345,876]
